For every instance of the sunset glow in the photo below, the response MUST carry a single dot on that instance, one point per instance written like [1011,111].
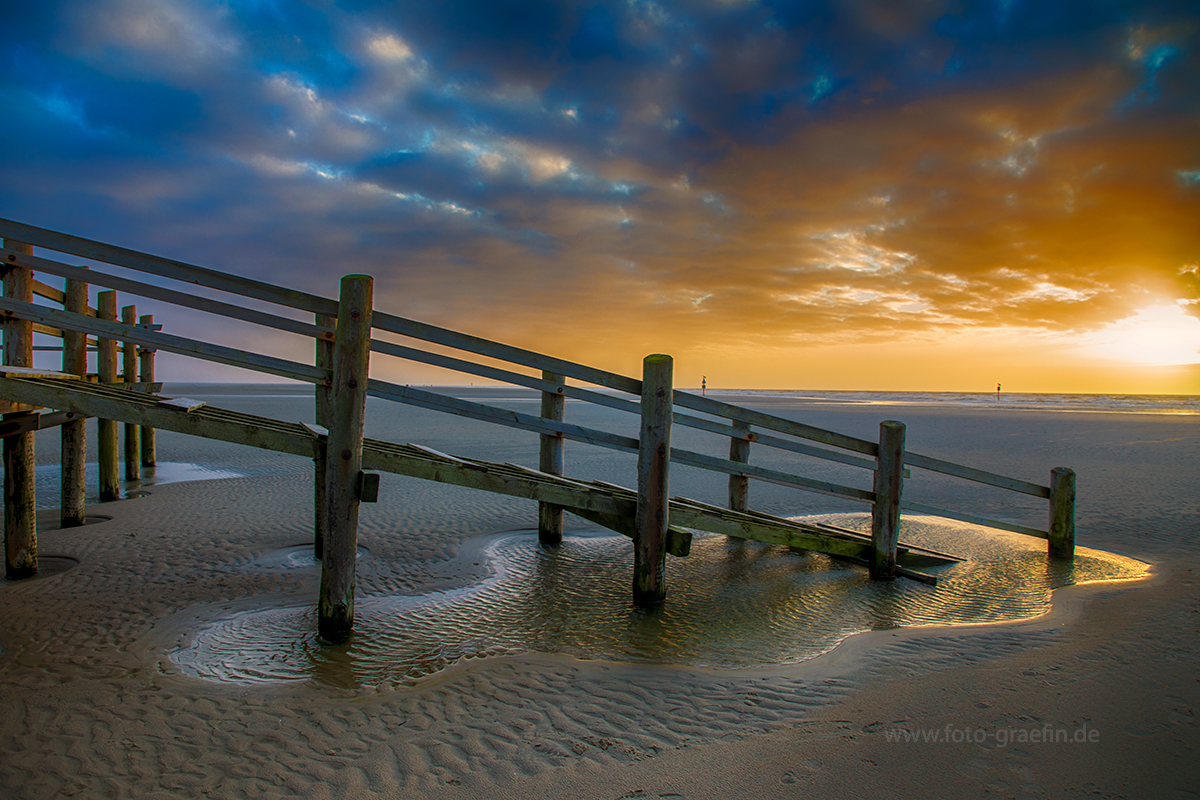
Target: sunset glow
[868,195]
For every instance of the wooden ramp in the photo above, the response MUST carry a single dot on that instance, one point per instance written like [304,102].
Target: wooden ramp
[611,506]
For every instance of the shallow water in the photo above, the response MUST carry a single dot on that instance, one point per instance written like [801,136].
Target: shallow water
[730,605]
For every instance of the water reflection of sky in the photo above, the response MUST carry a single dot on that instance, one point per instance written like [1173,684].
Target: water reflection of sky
[730,605]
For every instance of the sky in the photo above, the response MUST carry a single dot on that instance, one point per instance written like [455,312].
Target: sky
[870,195]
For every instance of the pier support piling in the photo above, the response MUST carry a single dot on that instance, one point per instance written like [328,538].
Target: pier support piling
[146,362]
[654,467]
[106,429]
[550,460]
[129,365]
[20,504]
[351,362]
[1062,513]
[885,515]
[74,432]
[739,452]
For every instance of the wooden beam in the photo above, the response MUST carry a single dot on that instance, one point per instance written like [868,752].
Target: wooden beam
[20,502]
[133,436]
[739,452]
[73,437]
[146,374]
[654,471]
[106,429]
[164,341]
[550,460]
[885,514]
[351,362]
[1062,513]
[165,267]
[184,299]
[323,411]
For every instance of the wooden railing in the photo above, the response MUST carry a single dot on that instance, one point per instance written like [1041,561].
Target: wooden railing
[743,427]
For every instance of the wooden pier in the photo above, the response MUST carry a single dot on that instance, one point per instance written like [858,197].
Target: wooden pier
[346,463]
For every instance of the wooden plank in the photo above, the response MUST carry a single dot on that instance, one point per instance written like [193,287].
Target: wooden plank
[42,290]
[977,475]
[923,508]
[885,512]
[106,429]
[20,502]
[73,437]
[1062,513]
[146,374]
[351,362]
[133,436]
[551,459]
[182,403]
[654,474]
[16,424]
[501,416]
[110,402]
[163,341]
[165,267]
[769,475]
[184,299]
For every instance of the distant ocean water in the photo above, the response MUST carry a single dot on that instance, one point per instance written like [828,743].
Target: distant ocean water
[1178,404]
[1185,404]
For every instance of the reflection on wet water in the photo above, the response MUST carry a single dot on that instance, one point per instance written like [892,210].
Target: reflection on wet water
[48,478]
[731,605]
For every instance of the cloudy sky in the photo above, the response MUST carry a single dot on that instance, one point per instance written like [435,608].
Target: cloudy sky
[904,194]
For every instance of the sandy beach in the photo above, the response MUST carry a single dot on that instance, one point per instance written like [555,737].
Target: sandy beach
[96,704]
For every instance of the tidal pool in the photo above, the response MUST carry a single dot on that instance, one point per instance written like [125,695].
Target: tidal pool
[730,605]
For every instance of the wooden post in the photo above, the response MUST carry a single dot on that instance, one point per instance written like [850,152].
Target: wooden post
[106,429]
[654,468]
[550,516]
[739,451]
[351,361]
[74,433]
[323,398]
[1062,513]
[20,503]
[133,437]
[889,485]
[146,360]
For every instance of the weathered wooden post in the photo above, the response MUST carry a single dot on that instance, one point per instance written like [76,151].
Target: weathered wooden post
[889,485]
[654,468]
[146,361]
[106,429]
[74,432]
[20,503]
[351,361]
[323,398]
[550,459]
[739,451]
[133,437]
[1062,512]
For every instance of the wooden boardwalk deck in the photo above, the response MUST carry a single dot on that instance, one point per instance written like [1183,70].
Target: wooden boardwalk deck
[610,506]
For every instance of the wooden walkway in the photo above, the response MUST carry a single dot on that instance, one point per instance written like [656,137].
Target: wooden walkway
[605,504]
[342,335]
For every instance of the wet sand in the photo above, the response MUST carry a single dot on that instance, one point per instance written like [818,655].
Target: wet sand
[94,706]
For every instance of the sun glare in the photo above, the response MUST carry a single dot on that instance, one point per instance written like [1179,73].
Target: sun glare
[1163,335]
